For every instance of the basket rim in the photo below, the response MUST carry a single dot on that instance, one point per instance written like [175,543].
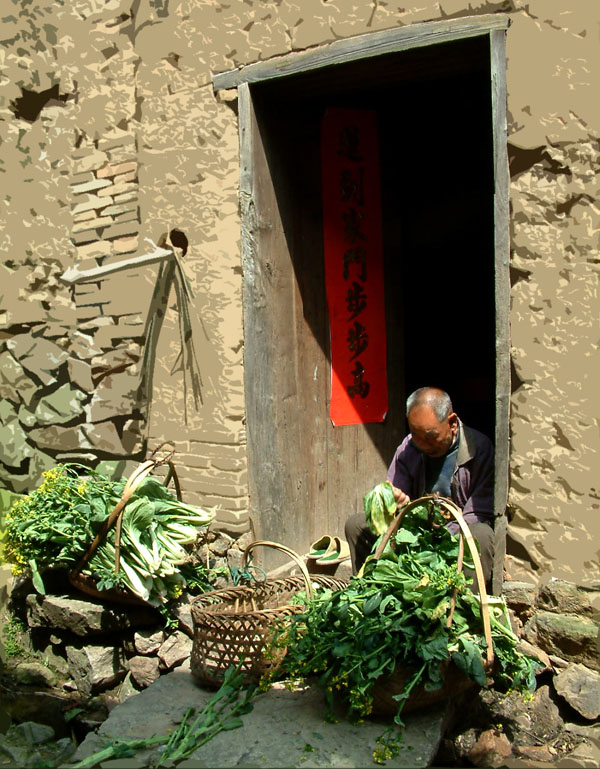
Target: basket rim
[257,614]
[209,603]
[88,585]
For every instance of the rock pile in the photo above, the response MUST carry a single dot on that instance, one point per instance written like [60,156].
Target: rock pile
[102,652]
[29,744]
[559,623]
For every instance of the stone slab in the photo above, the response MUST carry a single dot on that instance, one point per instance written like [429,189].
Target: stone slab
[284,729]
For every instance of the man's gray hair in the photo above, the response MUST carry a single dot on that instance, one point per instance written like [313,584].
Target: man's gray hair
[438,400]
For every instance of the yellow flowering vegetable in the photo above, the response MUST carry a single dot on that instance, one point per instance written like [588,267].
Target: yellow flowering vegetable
[55,524]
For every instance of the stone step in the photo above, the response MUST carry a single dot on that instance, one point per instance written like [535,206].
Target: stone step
[285,728]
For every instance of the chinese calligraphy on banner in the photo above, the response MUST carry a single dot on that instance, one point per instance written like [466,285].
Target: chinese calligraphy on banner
[354,266]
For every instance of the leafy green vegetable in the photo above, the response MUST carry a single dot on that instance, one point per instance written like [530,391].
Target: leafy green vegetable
[380,507]
[56,523]
[396,612]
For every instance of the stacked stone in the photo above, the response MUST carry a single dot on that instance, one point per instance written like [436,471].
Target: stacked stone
[69,384]
[64,398]
[559,622]
[93,647]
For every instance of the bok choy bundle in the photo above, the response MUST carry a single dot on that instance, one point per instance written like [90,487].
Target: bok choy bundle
[55,525]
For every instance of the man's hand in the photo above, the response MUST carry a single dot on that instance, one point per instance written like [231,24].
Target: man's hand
[400,497]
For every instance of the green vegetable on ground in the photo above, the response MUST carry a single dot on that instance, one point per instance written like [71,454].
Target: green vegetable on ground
[54,526]
[221,713]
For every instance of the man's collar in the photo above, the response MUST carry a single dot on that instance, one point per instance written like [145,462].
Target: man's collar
[466,448]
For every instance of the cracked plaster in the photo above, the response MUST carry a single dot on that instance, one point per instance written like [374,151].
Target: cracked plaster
[145,69]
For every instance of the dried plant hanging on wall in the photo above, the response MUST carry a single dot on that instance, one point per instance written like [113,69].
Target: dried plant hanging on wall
[170,275]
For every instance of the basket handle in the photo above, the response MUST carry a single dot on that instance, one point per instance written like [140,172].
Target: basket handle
[452,511]
[288,551]
[172,475]
[134,480]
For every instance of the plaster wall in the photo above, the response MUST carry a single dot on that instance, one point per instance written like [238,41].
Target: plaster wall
[125,82]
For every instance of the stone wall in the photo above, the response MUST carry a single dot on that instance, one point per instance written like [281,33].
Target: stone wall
[60,402]
[103,100]
[83,195]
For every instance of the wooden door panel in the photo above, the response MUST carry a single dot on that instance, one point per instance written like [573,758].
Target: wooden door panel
[306,476]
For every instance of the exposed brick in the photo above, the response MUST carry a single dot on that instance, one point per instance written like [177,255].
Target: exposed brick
[121,178]
[91,161]
[85,292]
[123,208]
[207,486]
[212,449]
[92,224]
[192,461]
[89,205]
[94,250]
[237,475]
[126,197]
[129,216]
[119,230]
[117,189]
[218,437]
[237,504]
[118,141]
[129,331]
[125,245]
[83,176]
[98,323]
[97,184]
[116,169]
[229,464]
[126,154]
[84,216]
[91,311]
[131,319]
[82,238]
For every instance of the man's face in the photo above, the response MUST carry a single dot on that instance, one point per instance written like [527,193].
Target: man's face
[432,437]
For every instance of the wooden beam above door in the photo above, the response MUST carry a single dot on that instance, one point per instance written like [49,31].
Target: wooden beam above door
[362,46]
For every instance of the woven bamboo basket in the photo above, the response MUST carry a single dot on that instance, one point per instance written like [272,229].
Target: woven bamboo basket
[87,584]
[234,626]
[455,682]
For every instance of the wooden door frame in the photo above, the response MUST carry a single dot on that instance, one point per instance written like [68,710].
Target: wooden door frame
[340,52]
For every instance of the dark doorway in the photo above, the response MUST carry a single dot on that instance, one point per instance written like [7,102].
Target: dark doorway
[439,190]
[434,113]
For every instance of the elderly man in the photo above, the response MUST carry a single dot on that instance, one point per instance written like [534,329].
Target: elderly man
[440,454]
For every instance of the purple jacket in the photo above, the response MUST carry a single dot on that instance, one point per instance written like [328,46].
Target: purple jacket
[472,484]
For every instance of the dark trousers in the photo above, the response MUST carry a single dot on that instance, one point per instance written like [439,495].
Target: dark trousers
[361,540]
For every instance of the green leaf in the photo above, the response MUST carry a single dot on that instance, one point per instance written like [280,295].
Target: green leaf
[233,723]
[404,535]
[36,577]
[470,661]
[98,509]
[372,604]
[386,492]
[70,714]
[341,649]
[380,506]
[435,648]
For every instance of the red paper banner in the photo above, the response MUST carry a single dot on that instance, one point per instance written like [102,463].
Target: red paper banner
[354,266]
